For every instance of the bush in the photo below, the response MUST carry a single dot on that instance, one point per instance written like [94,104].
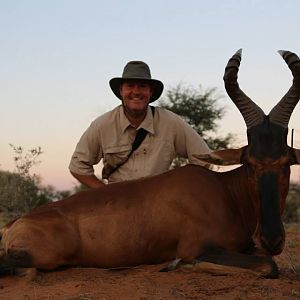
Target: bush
[20,191]
[19,194]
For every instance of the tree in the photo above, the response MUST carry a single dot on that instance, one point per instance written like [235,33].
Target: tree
[20,191]
[18,194]
[24,162]
[199,108]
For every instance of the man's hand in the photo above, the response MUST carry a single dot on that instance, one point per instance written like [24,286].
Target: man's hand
[90,181]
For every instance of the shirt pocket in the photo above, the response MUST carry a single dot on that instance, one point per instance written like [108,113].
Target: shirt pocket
[114,156]
[159,156]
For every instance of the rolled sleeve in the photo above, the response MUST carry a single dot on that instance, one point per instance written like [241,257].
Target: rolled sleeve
[189,142]
[88,152]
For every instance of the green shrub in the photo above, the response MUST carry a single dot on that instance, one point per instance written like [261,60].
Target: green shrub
[19,194]
[20,191]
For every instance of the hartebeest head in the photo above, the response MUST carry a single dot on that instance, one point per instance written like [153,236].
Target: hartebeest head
[267,156]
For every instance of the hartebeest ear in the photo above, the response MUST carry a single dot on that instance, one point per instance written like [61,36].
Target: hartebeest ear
[222,157]
[295,156]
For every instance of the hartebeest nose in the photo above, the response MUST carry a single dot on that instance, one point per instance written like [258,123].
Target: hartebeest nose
[273,245]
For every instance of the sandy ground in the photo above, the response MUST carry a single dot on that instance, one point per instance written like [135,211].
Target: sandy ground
[145,282]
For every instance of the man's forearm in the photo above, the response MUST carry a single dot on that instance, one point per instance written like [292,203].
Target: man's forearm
[90,181]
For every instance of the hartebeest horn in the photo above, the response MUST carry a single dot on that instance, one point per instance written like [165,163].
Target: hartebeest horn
[281,113]
[252,114]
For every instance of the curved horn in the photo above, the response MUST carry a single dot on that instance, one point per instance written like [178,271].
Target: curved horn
[281,113]
[252,114]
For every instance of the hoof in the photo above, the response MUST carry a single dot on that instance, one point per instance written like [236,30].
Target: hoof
[272,272]
[172,266]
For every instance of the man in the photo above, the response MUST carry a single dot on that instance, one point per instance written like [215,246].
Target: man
[110,137]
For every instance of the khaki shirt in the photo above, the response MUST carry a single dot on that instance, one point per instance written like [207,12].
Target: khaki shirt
[111,135]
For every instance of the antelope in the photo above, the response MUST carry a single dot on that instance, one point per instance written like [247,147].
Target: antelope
[190,214]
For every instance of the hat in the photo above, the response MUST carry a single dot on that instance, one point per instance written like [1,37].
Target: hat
[137,70]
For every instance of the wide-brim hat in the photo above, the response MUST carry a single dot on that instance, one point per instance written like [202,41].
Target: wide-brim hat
[137,70]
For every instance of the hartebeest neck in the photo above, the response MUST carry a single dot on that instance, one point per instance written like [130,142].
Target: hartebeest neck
[240,191]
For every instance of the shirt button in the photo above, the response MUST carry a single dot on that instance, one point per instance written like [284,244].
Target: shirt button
[145,151]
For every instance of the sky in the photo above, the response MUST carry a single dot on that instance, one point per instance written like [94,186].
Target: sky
[57,57]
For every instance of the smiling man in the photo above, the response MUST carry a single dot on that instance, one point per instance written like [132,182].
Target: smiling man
[134,140]
[135,95]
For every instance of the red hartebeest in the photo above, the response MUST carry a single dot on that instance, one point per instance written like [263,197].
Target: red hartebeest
[188,214]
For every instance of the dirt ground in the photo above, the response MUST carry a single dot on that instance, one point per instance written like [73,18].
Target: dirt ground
[145,282]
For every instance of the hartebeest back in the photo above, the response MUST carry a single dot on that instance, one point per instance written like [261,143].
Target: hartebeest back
[190,213]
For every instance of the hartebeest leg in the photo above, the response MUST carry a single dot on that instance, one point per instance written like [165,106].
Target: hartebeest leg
[187,250]
[4,269]
[46,244]
[11,263]
[264,266]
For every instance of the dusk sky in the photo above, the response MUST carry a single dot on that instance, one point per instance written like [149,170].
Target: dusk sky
[57,57]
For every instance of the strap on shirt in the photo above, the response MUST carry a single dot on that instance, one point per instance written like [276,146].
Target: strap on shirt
[140,136]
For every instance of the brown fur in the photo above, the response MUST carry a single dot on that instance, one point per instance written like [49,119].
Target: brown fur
[175,214]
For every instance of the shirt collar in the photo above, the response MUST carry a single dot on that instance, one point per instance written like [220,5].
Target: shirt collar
[124,122]
[147,123]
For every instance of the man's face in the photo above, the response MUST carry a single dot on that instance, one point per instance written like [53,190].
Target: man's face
[136,95]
